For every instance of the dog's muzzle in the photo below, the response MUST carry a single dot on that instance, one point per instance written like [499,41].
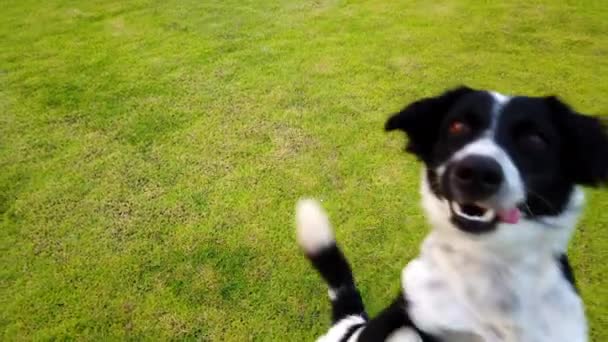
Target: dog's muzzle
[474,184]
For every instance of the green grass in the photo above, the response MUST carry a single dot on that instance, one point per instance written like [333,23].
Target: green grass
[151,152]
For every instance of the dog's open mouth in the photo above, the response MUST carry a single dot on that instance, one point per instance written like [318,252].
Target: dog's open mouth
[473,212]
[481,217]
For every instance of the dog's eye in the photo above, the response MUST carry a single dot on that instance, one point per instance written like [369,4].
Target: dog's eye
[533,141]
[458,127]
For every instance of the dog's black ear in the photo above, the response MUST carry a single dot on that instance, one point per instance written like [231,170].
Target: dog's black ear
[585,140]
[421,121]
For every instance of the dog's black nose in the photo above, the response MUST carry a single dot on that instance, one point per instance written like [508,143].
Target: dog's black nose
[476,177]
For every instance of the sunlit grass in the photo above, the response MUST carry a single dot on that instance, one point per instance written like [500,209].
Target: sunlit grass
[151,152]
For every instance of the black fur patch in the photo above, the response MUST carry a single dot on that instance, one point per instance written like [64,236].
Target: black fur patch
[389,320]
[333,267]
[335,270]
[585,148]
[564,265]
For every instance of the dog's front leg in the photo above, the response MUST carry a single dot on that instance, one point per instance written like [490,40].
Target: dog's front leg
[393,324]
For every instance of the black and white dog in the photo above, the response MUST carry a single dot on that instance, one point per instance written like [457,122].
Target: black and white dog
[501,191]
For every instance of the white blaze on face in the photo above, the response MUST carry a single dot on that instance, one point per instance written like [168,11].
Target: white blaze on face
[512,191]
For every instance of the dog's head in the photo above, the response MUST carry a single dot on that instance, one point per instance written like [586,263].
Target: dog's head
[500,165]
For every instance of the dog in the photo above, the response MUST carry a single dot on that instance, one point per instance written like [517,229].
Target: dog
[501,189]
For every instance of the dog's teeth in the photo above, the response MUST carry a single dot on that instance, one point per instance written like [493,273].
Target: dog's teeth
[487,216]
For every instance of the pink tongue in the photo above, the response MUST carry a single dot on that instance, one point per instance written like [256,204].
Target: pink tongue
[510,215]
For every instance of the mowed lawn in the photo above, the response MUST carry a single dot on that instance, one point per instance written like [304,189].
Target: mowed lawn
[151,153]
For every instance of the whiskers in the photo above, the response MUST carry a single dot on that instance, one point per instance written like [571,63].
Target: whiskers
[546,218]
[553,210]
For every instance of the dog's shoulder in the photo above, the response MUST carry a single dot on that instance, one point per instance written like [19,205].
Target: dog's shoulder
[558,310]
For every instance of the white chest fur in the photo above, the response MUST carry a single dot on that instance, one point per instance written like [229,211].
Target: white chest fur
[465,295]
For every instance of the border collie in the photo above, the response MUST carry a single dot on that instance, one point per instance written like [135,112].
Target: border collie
[501,191]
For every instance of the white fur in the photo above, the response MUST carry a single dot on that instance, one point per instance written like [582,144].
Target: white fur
[500,98]
[501,286]
[332,294]
[404,335]
[500,101]
[313,229]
